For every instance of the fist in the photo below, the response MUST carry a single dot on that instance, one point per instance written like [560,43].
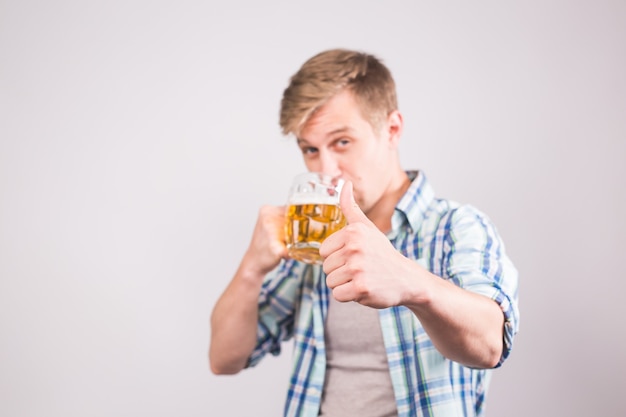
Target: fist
[267,246]
[359,261]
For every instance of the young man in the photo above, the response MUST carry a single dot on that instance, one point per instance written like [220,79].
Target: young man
[416,299]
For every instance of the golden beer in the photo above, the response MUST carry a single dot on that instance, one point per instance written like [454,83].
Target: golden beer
[307,226]
[313,214]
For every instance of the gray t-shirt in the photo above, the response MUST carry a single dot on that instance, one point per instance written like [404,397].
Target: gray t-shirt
[357,373]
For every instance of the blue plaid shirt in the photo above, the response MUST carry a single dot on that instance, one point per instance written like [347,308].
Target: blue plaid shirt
[455,242]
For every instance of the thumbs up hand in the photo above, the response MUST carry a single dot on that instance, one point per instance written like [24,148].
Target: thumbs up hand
[360,263]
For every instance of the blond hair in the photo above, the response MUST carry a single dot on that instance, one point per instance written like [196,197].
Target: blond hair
[329,72]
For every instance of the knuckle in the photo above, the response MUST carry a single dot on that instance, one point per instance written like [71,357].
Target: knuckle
[361,288]
[356,229]
[353,247]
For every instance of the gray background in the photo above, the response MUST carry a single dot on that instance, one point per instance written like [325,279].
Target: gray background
[139,138]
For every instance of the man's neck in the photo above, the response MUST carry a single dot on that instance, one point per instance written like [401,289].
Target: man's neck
[382,212]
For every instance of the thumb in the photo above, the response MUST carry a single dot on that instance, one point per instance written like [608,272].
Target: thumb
[349,207]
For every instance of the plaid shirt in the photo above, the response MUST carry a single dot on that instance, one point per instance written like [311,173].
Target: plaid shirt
[455,242]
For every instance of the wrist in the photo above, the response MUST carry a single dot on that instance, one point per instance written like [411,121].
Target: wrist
[418,290]
[252,270]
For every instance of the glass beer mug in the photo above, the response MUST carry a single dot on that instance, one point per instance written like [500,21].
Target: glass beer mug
[313,214]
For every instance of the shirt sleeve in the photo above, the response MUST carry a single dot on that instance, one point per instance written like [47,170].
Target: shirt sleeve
[475,259]
[276,305]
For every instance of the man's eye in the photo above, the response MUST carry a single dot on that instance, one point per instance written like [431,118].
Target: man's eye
[309,151]
[342,143]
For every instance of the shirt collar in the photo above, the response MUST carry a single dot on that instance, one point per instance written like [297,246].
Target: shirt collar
[411,209]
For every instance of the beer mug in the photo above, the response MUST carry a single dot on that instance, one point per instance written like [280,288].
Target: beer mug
[313,214]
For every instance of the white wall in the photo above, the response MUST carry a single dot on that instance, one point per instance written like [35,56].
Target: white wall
[138,138]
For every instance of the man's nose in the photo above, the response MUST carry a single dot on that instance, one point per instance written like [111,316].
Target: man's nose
[329,164]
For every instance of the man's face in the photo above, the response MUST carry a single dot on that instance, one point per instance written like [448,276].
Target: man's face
[337,140]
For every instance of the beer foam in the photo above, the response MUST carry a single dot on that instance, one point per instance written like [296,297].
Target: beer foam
[313,198]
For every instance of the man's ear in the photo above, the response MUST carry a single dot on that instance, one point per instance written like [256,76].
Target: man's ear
[394,126]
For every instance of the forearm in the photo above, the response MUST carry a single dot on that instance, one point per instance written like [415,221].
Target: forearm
[465,327]
[234,323]
[235,315]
